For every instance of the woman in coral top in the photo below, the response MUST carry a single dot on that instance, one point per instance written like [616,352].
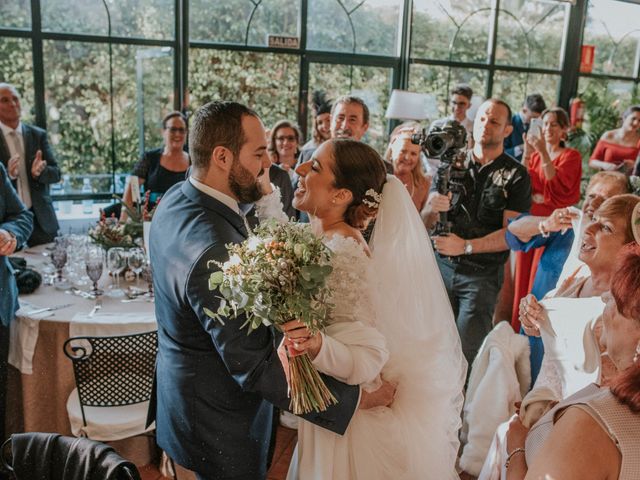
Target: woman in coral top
[555,172]
[618,149]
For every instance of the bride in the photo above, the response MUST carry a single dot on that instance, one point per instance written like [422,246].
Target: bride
[393,285]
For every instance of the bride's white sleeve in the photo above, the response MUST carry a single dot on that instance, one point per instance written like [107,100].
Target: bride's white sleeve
[270,206]
[353,350]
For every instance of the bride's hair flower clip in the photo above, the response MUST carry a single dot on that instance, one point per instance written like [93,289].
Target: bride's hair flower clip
[372,198]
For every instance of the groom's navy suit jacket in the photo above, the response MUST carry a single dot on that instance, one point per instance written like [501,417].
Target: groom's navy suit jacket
[215,385]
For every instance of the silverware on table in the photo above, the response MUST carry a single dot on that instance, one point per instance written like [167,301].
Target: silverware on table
[96,307]
[50,309]
[80,293]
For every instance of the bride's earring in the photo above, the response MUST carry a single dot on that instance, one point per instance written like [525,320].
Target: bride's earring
[636,357]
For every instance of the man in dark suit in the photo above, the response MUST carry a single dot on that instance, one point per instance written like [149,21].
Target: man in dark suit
[16,223]
[26,154]
[216,385]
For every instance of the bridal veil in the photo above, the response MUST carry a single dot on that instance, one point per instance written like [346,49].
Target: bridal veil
[415,316]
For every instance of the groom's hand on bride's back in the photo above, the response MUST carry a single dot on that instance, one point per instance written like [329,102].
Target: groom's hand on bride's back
[382,397]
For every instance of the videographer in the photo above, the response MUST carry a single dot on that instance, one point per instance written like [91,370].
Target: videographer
[493,188]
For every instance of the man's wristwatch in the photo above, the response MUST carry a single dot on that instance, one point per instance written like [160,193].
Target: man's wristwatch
[468,248]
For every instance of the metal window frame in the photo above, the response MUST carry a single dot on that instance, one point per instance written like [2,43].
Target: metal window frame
[399,63]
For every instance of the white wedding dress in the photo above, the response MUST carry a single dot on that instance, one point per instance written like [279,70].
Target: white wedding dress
[415,343]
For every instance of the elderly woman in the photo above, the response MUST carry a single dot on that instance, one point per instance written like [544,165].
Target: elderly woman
[580,294]
[284,146]
[594,433]
[159,169]
[405,158]
[602,239]
[558,239]
[555,172]
[618,149]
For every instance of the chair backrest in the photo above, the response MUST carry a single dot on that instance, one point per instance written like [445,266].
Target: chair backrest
[49,456]
[113,371]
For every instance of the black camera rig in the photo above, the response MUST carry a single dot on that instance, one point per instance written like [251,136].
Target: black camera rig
[446,141]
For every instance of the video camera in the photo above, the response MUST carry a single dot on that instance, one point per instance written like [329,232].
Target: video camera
[446,141]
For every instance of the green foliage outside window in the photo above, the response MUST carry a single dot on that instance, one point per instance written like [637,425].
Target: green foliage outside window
[16,67]
[268,83]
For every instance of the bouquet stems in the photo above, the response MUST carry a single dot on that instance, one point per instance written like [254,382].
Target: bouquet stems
[308,390]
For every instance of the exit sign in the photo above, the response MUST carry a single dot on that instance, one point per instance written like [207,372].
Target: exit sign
[283,41]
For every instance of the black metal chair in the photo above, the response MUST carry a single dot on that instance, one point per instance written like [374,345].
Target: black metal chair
[111,373]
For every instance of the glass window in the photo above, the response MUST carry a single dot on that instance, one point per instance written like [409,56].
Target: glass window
[438,81]
[513,87]
[530,33]
[605,101]
[129,18]
[15,14]
[78,106]
[266,82]
[443,28]
[354,26]
[607,95]
[612,27]
[16,67]
[372,84]
[241,21]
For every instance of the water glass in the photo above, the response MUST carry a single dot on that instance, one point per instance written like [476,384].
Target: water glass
[116,263]
[136,261]
[147,276]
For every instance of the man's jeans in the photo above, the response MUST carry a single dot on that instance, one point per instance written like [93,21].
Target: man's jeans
[473,292]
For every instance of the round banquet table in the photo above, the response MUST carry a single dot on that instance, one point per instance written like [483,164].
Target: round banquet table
[40,377]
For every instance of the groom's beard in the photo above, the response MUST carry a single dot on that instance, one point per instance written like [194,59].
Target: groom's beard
[243,185]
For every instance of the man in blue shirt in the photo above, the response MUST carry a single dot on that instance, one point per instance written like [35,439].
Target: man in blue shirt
[532,107]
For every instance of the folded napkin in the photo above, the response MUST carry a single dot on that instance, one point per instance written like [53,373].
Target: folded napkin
[23,336]
[111,324]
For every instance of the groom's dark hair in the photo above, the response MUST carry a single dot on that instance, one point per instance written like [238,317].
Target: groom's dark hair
[217,124]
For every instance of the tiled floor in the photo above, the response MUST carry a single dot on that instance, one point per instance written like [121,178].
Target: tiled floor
[150,472]
[285,442]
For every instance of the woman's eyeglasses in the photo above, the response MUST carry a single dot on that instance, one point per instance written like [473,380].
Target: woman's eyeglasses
[176,130]
[290,138]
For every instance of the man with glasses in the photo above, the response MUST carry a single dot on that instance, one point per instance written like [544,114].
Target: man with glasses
[460,103]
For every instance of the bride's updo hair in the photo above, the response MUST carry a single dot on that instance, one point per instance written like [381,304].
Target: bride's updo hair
[358,168]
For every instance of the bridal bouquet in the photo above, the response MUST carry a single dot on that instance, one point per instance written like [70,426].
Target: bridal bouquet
[275,276]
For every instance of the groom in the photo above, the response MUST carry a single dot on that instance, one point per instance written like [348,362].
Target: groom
[216,384]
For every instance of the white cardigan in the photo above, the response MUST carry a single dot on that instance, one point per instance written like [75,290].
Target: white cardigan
[500,376]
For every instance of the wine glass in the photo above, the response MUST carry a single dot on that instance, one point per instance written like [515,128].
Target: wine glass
[59,260]
[94,263]
[116,262]
[136,261]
